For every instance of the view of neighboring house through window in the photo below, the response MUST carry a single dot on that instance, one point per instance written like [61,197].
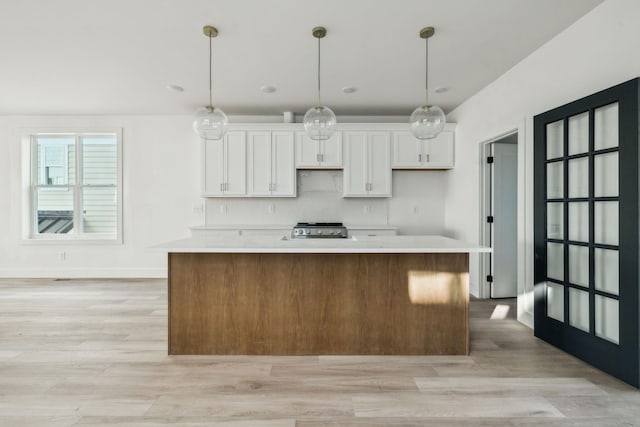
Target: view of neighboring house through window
[75,185]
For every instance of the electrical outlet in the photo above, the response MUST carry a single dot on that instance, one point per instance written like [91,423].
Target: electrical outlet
[271,208]
[366,209]
[224,209]
[63,256]
[416,211]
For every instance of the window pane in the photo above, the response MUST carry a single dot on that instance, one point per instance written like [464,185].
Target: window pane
[555,186]
[606,223]
[579,309]
[607,319]
[99,210]
[605,175]
[55,160]
[54,210]
[579,177]
[579,221]
[579,265]
[606,127]
[555,301]
[555,261]
[100,160]
[606,270]
[555,146]
[579,133]
[555,221]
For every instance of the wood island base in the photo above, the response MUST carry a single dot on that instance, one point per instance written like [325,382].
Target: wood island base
[319,303]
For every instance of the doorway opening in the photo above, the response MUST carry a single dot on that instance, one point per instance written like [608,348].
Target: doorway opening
[499,217]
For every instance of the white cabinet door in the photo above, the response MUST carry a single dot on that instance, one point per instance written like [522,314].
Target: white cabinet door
[235,164]
[225,167]
[259,164]
[438,152]
[356,168]
[379,164]
[307,151]
[406,151]
[367,169]
[213,168]
[283,171]
[312,154]
[331,151]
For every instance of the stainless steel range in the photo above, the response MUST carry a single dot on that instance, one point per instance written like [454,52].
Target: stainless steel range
[322,230]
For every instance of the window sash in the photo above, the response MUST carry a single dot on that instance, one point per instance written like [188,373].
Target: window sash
[77,233]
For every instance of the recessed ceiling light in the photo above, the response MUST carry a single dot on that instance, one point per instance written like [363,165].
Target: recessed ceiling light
[349,89]
[175,88]
[441,89]
[268,89]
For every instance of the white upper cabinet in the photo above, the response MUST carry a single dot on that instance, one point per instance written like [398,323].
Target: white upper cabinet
[408,152]
[271,169]
[312,154]
[367,166]
[225,166]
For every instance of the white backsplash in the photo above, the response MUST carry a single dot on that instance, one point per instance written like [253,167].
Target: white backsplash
[415,208]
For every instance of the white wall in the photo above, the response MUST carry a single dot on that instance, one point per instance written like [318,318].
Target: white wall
[600,50]
[161,199]
[417,205]
[161,189]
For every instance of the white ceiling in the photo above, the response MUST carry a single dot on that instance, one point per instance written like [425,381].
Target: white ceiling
[118,56]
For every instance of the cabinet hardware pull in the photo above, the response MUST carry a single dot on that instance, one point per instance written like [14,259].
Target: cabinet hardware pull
[428,158]
[322,158]
[221,189]
[420,158]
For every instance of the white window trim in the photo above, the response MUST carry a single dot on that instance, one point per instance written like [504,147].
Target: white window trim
[29,177]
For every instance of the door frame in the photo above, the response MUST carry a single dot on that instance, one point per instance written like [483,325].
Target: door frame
[484,261]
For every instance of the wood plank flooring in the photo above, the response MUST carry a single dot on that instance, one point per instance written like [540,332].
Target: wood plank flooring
[94,353]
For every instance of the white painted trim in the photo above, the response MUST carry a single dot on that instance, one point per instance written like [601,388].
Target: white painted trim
[484,147]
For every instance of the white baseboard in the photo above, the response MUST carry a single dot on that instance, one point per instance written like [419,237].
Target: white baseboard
[526,318]
[84,273]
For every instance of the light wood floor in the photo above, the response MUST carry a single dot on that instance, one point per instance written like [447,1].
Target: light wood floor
[94,352]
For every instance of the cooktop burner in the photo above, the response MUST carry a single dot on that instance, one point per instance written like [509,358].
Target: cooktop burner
[314,230]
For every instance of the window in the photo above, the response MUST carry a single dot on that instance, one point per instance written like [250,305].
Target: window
[75,188]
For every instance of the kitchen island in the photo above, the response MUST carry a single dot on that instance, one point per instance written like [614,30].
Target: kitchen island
[401,295]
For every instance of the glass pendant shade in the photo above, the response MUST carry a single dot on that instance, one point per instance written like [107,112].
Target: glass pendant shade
[427,122]
[319,123]
[210,123]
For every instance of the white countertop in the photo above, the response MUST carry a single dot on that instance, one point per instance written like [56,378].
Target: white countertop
[286,227]
[364,244]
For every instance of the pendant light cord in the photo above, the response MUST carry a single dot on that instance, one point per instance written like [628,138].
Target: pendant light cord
[426,72]
[210,75]
[319,103]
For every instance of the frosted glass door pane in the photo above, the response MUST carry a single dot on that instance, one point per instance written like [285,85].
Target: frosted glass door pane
[555,221]
[579,221]
[555,261]
[579,133]
[607,319]
[606,223]
[555,146]
[606,127]
[555,301]
[605,175]
[555,181]
[579,309]
[606,270]
[579,177]
[579,265]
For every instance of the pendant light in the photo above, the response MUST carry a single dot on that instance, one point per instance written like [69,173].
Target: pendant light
[210,122]
[319,121]
[427,121]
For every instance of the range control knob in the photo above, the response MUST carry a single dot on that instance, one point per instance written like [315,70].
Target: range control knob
[319,232]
